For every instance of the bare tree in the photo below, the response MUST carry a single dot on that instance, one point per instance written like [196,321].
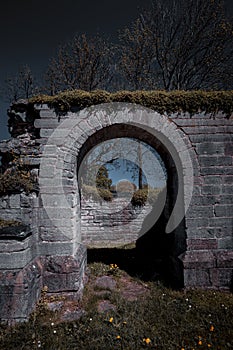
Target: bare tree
[83,63]
[127,155]
[22,85]
[188,43]
[136,62]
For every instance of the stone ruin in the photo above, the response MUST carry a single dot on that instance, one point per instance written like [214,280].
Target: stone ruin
[48,246]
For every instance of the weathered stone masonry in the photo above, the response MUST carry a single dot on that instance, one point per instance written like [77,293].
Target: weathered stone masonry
[102,227]
[54,254]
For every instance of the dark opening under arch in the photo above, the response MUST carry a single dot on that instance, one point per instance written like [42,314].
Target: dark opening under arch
[156,255]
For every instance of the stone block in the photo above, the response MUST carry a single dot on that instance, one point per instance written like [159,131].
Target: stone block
[14,201]
[203,232]
[229,149]
[199,259]
[94,122]
[224,258]
[197,223]
[212,180]
[55,200]
[46,123]
[205,211]
[223,210]
[17,260]
[225,199]
[228,180]
[227,189]
[221,278]
[202,243]
[215,137]
[19,291]
[65,273]
[216,170]
[210,148]
[197,278]
[55,248]
[211,190]
[226,242]
[203,200]
[206,161]
[222,222]
[13,245]
[52,233]
[46,133]
[49,150]
[46,112]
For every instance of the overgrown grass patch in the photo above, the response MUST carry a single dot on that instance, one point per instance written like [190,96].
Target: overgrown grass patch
[164,319]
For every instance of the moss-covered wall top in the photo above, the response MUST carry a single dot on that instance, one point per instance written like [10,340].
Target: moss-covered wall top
[161,101]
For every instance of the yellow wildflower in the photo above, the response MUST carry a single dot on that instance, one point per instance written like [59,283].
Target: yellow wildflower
[118,337]
[200,342]
[111,319]
[147,340]
[209,345]
[211,328]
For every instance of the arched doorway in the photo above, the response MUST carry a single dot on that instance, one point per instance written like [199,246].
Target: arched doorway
[79,133]
[156,255]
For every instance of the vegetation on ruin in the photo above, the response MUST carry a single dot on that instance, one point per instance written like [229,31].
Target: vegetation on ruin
[8,223]
[143,196]
[15,181]
[161,101]
[96,194]
[160,319]
[139,198]
[17,177]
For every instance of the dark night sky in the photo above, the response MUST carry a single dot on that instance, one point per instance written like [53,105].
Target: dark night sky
[31,30]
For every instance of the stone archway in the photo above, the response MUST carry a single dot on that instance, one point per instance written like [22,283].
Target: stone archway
[197,150]
[77,134]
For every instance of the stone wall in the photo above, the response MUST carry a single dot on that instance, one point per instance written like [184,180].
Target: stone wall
[200,146]
[111,224]
[20,207]
[208,140]
[209,220]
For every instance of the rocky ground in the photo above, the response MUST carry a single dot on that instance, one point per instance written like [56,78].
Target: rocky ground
[98,292]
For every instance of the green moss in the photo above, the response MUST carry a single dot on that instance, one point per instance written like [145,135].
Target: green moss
[16,181]
[161,101]
[8,223]
[17,178]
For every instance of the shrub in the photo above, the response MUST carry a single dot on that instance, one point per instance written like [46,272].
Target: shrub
[139,198]
[105,194]
[90,192]
[15,180]
[17,177]
[94,193]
